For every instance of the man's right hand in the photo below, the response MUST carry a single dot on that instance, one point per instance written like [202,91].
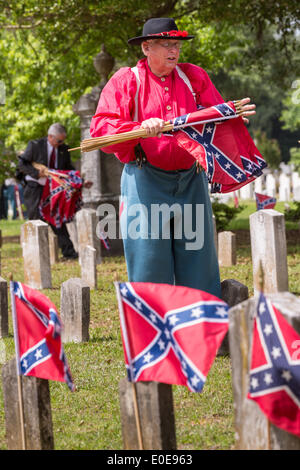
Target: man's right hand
[153,126]
[42,172]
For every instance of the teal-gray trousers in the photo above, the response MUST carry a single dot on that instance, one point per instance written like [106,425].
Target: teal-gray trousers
[167,227]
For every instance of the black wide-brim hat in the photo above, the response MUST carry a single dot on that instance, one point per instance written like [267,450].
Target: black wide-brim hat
[160,28]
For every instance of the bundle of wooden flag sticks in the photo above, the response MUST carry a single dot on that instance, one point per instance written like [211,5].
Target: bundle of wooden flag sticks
[56,175]
[95,143]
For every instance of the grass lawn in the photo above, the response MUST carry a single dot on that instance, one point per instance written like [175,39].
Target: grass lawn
[89,418]
[241,222]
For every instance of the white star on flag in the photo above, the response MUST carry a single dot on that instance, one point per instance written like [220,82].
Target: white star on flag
[161,344]
[227,166]
[148,357]
[286,374]
[138,304]
[167,334]
[173,320]
[38,354]
[124,291]
[276,352]
[153,318]
[268,378]
[209,130]
[221,311]
[24,363]
[195,380]
[254,382]
[262,308]
[268,329]
[239,175]
[196,312]
[194,135]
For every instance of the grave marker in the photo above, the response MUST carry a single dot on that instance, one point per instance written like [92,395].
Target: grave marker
[3,308]
[270,185]
[53,246]
[86,223]
[36,255]
[89,266]
[37,411]
[75,310]
[284,187]
[227,248]
[156,412]
[233,293]
[253,430]
[268,246]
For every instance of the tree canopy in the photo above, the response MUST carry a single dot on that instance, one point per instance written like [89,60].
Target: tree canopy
[47,48]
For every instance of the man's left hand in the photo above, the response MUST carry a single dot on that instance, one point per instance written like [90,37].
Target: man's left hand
[247,109]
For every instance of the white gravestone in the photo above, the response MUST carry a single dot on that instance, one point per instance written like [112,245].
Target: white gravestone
[284,187]
[270,185]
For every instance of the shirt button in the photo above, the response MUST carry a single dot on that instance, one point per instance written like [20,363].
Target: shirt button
[169,107]
[163,79]
[166,88]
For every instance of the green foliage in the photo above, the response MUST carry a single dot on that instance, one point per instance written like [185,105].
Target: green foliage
[37,92]
[295,158]
[224,214]
[208,46]
[291,111]
[269,148]
[293,215]
[47,50]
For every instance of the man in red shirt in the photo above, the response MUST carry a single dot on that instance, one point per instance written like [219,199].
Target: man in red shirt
[174,242]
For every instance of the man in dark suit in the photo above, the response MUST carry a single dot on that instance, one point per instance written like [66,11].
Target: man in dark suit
[53,153]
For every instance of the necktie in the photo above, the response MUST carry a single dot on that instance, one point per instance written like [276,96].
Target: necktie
[52,159]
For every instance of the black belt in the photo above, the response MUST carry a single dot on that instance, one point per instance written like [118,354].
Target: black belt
[140,156]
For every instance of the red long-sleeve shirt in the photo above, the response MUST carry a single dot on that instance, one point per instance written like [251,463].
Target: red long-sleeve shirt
[163,97]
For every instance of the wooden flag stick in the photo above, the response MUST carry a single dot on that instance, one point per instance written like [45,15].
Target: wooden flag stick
[127,347]
[262,286]
[19,378]
[19,205]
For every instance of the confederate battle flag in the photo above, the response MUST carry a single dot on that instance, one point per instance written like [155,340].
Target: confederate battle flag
[37,331]
[264,202]
[275,367]
[222,145]
[61,197]
[171,334]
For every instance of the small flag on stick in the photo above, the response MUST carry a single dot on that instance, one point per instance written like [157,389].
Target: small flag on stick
[37,333]
[275,368]
[264,202]
[236,200]
[171,334]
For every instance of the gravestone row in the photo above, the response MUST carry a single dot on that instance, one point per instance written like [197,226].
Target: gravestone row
[155,400]
[285,187]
